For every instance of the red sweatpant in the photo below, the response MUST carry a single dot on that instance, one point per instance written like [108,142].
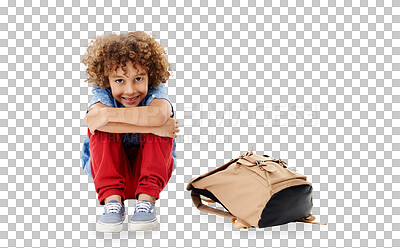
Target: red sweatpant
[129,172]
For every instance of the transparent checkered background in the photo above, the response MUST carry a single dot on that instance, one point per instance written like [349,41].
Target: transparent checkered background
[315,83]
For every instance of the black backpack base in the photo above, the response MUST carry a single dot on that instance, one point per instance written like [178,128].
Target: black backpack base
[287,205]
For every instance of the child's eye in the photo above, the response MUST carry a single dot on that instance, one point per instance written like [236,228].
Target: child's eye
[119,80]
[138,79]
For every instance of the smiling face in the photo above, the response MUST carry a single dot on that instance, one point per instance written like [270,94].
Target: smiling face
[129,88]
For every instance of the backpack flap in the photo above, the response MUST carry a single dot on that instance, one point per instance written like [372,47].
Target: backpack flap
[223,167]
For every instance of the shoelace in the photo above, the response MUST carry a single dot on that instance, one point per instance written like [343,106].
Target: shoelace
[113,207]
[143,206]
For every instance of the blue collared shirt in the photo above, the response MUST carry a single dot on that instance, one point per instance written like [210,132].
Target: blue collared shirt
[128,139]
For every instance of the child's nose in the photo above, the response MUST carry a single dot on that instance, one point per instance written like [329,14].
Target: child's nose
[130,89]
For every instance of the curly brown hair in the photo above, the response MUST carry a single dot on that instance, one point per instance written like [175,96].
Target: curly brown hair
[107,52]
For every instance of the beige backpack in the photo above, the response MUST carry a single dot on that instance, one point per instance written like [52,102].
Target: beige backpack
[257,191]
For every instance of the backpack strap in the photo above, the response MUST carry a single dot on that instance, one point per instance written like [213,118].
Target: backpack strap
[207,200]
[200,206]
[310,219]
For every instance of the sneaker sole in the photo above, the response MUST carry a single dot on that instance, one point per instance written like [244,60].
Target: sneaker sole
[110,228]
[143,226]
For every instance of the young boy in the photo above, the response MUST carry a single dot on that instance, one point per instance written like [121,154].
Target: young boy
[130,147]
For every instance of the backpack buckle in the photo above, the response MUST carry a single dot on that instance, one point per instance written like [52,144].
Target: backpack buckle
[268,168]
[280,162]
[260,165]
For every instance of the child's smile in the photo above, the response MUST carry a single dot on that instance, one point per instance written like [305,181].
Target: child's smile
[130,88]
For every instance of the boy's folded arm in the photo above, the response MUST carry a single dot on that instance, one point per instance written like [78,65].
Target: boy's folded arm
[114,127]
[156,114]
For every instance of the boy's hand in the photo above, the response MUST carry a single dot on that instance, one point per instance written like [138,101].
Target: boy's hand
[96,118]
[169,129]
